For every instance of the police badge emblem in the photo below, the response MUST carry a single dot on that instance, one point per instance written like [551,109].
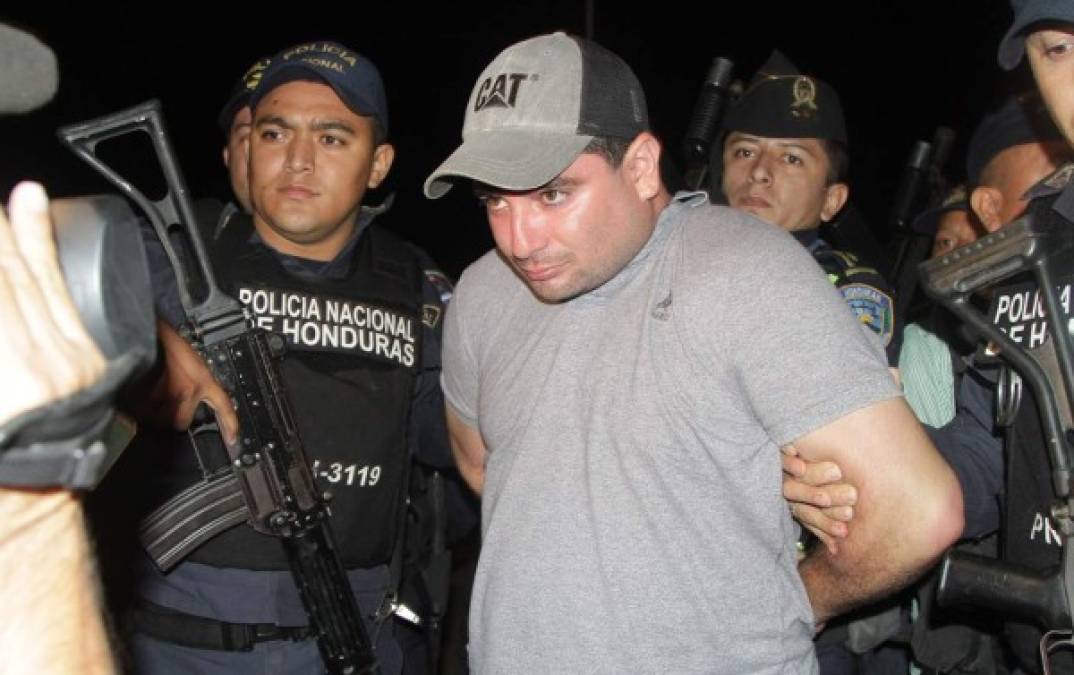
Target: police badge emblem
[873,308]
[805,98]
[252,77]
[430,315]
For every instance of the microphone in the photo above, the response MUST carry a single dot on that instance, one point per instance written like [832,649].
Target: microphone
[29,75]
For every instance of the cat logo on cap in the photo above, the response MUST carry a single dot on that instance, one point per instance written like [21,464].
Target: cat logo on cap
[805,98]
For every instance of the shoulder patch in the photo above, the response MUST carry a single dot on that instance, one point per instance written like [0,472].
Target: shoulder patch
[444,288]
[430,315]
[873,308]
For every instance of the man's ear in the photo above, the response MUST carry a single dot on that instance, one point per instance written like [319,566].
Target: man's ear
[642,164]
[227,157]
[987,203]
[835,197]
[383,157]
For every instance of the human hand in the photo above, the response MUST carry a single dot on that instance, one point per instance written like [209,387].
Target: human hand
[47,352]
[817,499]
[185,382]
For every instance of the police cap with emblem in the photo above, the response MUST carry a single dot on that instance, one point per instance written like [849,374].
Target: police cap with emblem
[240,94]
[534,110]
[353,77]
[1018,121]
[780,102]
[1027,13]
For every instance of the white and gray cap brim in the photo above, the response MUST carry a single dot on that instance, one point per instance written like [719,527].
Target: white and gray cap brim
[507,160]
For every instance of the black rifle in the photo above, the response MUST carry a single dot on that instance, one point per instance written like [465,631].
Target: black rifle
[922,186]
[267,481]
[1044,248]
[708,113]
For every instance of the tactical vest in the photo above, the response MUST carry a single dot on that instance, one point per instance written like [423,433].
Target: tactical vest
[353,353]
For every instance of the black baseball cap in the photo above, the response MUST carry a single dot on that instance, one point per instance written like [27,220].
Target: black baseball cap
[352,76]
[1026,14]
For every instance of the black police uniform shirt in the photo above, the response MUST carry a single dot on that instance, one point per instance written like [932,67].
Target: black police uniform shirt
[362,376]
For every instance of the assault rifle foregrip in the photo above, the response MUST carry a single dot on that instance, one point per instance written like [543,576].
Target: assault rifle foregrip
[268,464]
[967,579]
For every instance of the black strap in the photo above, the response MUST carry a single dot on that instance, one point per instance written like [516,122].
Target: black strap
[199,632]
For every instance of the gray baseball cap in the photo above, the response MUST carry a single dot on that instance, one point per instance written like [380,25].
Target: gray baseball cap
[1027,13]
[536,107]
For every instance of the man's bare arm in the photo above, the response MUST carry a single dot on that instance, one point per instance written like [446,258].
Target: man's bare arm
[908,510]
[50,587]
[469,450]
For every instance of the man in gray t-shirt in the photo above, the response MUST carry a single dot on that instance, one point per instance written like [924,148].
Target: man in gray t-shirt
[620,377]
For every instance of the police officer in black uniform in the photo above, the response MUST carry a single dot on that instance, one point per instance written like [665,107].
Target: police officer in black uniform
[784,159]
[360,311]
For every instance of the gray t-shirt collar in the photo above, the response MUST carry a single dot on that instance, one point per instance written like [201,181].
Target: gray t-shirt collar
[664,224]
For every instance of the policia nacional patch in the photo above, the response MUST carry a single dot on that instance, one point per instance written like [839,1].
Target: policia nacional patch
[323,323]
[873,308]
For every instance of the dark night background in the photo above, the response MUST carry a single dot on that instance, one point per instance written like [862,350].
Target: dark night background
[901,68]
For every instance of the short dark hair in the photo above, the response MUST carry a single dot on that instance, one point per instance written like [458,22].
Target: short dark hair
[838,160]
[613,150]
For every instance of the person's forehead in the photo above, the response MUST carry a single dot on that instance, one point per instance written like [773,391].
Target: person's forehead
[302,93]
[583,169]
[954,220]
[307,103]
[1051,30]
[806,143]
